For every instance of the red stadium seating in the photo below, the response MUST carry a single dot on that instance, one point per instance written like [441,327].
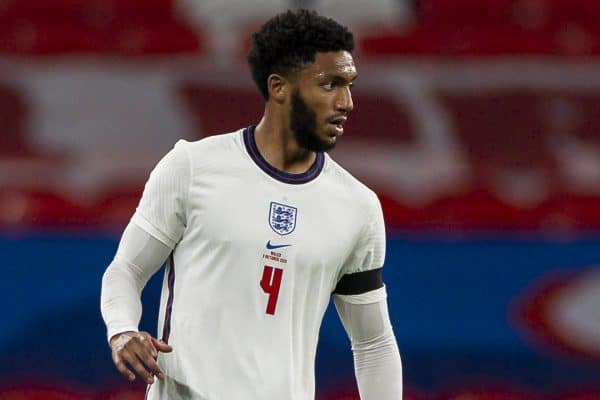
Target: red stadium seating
[444,15]
[50,38]
[90,12]
[59,39]
[579,395]
[125,393]
[495,27]
[155,40]
[347,391]
[14,115]
[526,15]
[116,27]
[585,13]
[38,392]
[569,42]
[489,394]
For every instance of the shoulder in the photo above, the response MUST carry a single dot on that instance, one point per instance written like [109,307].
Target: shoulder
[223,141]
[361,194]
[211,150]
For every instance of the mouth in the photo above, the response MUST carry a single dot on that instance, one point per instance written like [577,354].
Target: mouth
[338,124]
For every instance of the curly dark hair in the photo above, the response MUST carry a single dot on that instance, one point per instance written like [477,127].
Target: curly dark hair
[290,40]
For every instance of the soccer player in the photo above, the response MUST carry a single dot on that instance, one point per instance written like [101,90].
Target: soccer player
[259,228]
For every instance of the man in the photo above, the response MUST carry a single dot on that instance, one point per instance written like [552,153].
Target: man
[259,227]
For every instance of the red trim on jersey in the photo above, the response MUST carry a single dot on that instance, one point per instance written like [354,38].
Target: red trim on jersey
[169,308]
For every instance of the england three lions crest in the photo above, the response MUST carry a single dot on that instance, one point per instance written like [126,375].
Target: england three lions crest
[282,218]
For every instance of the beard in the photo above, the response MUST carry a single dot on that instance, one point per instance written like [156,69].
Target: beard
[303,122]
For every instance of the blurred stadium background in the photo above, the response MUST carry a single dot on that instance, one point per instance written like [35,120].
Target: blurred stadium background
[476,121]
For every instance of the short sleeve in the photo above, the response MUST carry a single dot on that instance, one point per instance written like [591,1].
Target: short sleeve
[369,252]
[162,208]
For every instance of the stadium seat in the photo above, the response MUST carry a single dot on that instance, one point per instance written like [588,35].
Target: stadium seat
[125,27]
[50,208]
[38,392]
[90,11]
[50,38]
[512,119]
[27,11]
[579,395]
[124,393]
[117,205]
[495,393]
[478,209]
[571,212]
[443,15]
[494,28]
[527,15]
[155,40]
[378,117]
[14,114]
[347,391]
[60,39]
[147,11]
[206,104]
[472,43]
[585,13]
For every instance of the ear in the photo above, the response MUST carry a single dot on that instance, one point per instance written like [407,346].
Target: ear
[278,87]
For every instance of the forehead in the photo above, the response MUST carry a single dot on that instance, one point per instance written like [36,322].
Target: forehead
[334,63]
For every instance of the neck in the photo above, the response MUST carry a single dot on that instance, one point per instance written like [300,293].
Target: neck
[278,146]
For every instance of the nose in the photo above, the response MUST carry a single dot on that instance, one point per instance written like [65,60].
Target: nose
[344,101]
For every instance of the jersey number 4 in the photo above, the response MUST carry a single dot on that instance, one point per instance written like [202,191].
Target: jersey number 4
[270,284]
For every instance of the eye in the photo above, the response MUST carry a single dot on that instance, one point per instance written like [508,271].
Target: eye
[328,86]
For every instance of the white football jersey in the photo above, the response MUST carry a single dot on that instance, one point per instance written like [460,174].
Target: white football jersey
[256,256]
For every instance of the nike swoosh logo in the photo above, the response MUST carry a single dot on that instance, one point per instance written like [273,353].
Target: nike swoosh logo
[276,246]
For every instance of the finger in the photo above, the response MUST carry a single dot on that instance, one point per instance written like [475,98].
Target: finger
[122,368]
[161,346]
[146,352]
[138,367]
[152,365]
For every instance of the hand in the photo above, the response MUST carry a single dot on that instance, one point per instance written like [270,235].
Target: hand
[138,351]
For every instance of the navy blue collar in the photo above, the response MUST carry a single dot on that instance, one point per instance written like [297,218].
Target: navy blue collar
[285,177]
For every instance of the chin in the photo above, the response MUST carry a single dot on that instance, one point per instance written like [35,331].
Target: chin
[329,144]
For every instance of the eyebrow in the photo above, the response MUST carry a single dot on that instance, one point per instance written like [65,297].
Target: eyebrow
[339,78]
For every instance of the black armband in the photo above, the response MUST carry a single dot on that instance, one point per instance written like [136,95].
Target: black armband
[359,282]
